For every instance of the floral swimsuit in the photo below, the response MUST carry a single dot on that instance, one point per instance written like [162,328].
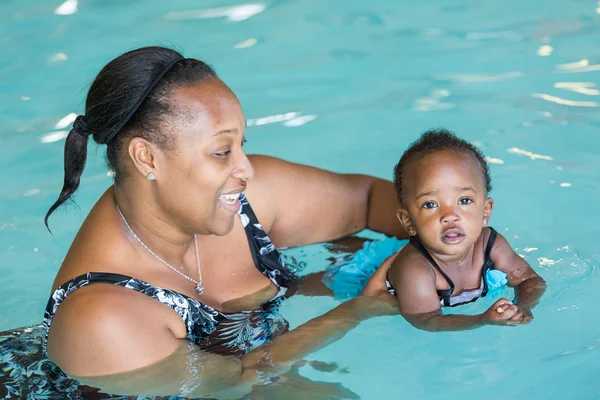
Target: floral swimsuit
[225,333]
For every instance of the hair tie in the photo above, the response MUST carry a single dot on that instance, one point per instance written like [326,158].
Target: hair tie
[141,99]
[81,127]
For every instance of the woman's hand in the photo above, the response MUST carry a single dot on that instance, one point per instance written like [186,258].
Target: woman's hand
[376,286]
[375,300]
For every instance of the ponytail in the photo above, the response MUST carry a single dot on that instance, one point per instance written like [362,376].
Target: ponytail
[75,157]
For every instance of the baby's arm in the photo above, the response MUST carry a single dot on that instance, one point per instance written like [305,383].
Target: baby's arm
[419,303]
[529,286]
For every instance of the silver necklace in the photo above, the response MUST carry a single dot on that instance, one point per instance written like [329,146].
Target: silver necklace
[199,288]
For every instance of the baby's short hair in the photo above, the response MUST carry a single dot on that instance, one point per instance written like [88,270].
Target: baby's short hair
[438,140]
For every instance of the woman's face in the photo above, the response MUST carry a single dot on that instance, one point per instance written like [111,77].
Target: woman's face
[198,182]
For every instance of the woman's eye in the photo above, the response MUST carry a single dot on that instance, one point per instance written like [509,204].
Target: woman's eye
[429,204]
[465,201]
[223,153]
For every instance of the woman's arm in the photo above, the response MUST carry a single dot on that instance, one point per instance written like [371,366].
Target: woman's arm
[312,285]
[130,350]
[298,204]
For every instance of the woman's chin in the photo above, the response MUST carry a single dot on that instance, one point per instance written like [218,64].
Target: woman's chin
[223,226]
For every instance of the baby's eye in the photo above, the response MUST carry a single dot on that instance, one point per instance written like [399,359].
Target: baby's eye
[244,141]
[465,201]
[428,204]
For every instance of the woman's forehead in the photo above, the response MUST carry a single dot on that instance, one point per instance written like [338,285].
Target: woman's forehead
[209,95]
[207,105]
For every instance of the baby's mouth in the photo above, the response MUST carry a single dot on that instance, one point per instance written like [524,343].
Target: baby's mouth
[453,236]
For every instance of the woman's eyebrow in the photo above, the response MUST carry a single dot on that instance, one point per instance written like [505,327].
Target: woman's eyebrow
[233,131]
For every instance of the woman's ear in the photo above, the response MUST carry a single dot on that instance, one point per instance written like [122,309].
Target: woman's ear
[487,211]
[141,153]
[404,219]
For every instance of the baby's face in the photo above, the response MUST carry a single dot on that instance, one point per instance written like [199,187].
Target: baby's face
[446,201]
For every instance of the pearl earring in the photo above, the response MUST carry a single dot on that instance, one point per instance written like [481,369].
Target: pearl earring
[150,176]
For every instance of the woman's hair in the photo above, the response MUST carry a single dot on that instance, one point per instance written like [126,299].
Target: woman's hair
[438,140]
[131,95]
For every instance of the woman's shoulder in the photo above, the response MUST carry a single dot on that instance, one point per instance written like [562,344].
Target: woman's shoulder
[268,192]
[106,319]
[97,246]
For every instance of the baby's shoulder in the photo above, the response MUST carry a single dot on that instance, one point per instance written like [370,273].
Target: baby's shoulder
[410,262]
[497,243]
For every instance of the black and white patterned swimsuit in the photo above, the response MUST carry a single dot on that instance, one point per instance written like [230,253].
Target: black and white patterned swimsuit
[447,299]
[231,333]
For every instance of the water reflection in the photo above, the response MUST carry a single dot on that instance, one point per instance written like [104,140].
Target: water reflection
[290,119]
[246,43]
[565,102]
[58,57]
[579,87]
[31,192]
[492,160]
[69,7]
[300,120]
[481,78]
[533,156]
[507,35]
[545,50]
[234,13]
[434,101]
[54,136]
[272,119]
[65,121]
[578,66]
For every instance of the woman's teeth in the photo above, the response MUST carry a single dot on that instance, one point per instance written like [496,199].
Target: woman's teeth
[230,198]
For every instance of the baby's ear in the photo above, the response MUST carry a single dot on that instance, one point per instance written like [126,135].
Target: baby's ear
[404,219]
[487,211]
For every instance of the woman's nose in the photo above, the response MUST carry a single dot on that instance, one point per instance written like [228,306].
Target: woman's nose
[244,169]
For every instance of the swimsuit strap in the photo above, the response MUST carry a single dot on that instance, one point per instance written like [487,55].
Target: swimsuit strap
[391,290]
[488,263]
[266,257]
[444,294]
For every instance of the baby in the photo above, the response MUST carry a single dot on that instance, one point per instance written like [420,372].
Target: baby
[443,183]
[453,256]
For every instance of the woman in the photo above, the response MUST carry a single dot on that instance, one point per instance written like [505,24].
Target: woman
[179,256]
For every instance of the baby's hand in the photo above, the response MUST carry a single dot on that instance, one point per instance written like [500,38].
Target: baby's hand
[504,312]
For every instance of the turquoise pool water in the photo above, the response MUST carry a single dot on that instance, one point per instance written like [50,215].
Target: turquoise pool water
[346,85]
